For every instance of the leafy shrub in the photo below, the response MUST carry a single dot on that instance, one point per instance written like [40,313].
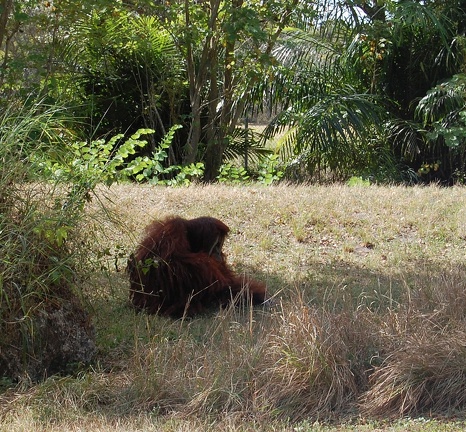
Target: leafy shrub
[152,169]
[39,252]
[269,171]
[230,173]
[109,161]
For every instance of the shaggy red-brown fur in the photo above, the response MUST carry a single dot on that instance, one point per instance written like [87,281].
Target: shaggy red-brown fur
[179,269]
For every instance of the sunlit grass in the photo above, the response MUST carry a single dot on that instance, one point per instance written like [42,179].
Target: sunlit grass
[367,323]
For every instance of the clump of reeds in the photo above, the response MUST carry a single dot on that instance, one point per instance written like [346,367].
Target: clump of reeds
[38,309]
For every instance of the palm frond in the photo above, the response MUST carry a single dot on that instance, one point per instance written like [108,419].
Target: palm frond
[336,121]
[245,143]
[285,145]
[443,100]
[412,17]
[406,136]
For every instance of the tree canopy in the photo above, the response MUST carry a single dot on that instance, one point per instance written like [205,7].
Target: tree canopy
[365,88]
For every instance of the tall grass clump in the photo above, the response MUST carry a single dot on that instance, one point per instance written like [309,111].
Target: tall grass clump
[289,363]
[424,344]
[201,367]
[297,361]
[425,374]
[317,362]
[43,325]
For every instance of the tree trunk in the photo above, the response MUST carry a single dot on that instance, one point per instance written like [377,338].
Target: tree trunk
[197,81]
[5,8]
[222,78]
[221,118]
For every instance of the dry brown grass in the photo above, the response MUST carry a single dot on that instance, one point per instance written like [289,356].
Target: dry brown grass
[368,317]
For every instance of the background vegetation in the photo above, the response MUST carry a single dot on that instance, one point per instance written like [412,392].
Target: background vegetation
[372,89]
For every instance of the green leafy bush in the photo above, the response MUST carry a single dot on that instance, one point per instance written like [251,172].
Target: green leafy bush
[269,171]
[110,161]
[154,171]
[230,173]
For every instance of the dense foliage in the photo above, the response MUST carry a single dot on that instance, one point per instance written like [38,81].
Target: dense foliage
[352,88]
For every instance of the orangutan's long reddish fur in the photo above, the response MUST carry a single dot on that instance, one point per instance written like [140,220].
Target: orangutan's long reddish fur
[179,269]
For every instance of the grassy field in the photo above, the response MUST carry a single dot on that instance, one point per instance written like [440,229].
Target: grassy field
[367,330]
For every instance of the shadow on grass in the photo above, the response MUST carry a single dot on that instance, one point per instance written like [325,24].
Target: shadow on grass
[348,286]
[289,361]
[340,286]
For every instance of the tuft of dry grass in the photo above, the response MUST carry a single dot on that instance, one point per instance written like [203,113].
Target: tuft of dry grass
[367,322]
[313,368]
[426,373]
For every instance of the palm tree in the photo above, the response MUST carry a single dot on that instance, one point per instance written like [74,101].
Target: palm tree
[348,85]
[331,122]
